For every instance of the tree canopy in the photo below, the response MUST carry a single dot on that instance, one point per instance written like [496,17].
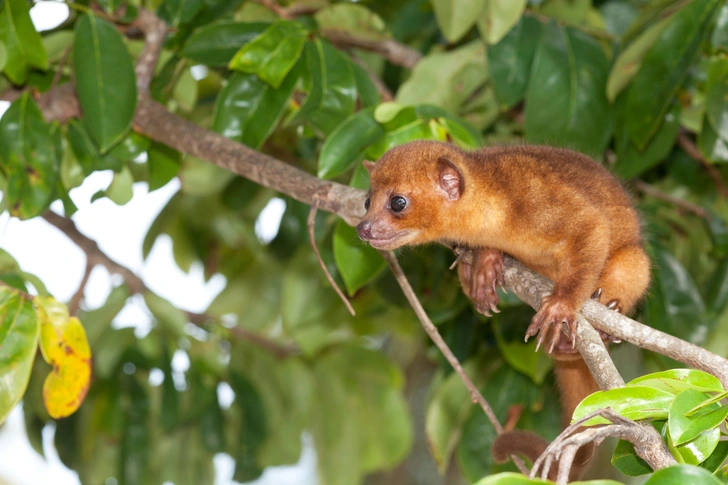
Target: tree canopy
[245,101]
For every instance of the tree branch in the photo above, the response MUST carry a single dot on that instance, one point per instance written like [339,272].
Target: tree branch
[395,52]
[94,256]
[532,287]
[431,330]
[688,145]
[683,204]
[648,446]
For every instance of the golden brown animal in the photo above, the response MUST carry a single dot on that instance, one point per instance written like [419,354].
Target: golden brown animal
[555,210]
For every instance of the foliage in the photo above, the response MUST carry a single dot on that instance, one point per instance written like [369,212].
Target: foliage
[640,86]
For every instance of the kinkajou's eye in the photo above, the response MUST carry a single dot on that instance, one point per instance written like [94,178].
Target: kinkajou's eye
[366,204]
[398,203]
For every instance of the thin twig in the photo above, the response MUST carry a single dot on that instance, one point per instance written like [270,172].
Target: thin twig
[94,256]
[683,204]
[431,330]
[311,225]
[395,52]
[74,303]
[649,446]
[688,145]
[384,93]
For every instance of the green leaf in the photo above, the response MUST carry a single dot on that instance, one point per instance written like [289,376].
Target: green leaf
[18,344]
[719,38]
[373,385]
[457,17]
[664,68]
[498,17]
[716,296]
[712,146]
[716,96]
[346,144]
[120,190]
[177,12]
[28,158]
[212,424]
[504,388]
[625,460]
[522,356]
[169,317]
[3,56]
[446,79]
[674,304]
[24,48]
[339,92]
[216,44]
[314,84]
[272,54]
[463,133]
[631,162]
[684,428]
[565,100]
[248,110]
[677,380]
[355,19]
[312,327]
[572,12]
[87,153]
[252,431]
[358,263]
[105,80]
[447,411]
[629,61]
[634,403]
[135,439]
[699,449]
[511,478]
[717,458]
[510,60]
[163,163]
[368,93]
[131,146]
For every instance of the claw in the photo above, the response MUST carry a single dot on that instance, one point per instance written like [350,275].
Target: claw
[494,309]
[597,294]
[614,305]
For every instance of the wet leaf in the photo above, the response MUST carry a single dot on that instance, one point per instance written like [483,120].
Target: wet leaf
[634,403]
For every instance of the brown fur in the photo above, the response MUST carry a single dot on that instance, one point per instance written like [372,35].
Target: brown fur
[555,210]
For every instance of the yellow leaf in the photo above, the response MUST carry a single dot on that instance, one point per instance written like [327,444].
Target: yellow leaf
[64,346]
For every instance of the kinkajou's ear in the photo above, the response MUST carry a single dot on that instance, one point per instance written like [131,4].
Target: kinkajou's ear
[450,178]
[368,165]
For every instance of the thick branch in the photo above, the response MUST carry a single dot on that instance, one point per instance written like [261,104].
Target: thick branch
[648,443]
[153,120]
[531,287]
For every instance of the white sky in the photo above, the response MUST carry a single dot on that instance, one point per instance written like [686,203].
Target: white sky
[43,250]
